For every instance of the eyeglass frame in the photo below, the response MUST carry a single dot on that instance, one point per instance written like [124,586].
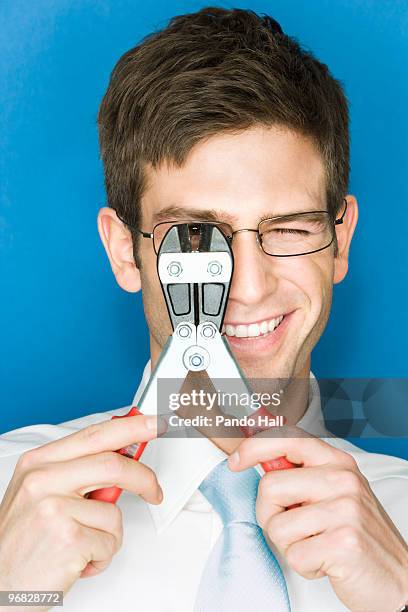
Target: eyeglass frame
[238,231]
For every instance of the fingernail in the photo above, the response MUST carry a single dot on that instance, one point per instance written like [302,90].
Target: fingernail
[156,422]
[160,495]
[233,459]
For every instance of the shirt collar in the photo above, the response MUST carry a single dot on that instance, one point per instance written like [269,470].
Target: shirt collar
[181,464]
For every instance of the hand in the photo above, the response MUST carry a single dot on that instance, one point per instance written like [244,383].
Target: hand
[340,530]
[50,535]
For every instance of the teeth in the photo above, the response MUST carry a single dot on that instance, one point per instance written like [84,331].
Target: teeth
[241,331]
[264,327]
[229,330]
[272,324]
[253,329]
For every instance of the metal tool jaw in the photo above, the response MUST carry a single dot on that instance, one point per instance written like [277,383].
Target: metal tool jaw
[195,265]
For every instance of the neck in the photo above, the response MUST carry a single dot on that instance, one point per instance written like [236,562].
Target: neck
[295,397]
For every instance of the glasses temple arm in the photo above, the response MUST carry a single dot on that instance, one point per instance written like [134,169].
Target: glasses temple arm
[133,227]
[340,221]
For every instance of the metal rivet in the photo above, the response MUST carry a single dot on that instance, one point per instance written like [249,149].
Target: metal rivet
[196,360]
[174,268]
[184,331]
[214,268]
[208,331]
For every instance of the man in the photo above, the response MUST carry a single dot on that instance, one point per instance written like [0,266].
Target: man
[220,117]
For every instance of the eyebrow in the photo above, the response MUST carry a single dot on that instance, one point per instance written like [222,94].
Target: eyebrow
[307,215]
[174,212]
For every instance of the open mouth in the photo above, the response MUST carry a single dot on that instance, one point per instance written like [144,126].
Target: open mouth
[252,330]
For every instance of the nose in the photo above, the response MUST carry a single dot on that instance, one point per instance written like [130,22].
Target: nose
[253,276]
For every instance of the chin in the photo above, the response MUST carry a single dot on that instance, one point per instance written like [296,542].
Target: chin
[266,370]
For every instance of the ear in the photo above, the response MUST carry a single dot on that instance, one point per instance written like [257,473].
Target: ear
[117,240]
[344,234]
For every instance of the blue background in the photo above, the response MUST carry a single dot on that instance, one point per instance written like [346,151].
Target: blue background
[72,342]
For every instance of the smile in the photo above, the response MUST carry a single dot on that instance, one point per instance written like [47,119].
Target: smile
[252,330]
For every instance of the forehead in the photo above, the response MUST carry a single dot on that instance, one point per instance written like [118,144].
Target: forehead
[243,175]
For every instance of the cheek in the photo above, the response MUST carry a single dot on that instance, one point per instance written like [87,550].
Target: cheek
[154,305]
[149,278]
[313,277]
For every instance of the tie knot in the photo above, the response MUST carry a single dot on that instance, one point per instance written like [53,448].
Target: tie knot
[232,494]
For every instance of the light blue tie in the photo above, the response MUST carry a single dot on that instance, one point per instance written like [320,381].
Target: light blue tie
[241,574]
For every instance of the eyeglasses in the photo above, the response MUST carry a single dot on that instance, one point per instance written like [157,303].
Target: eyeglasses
[291,235]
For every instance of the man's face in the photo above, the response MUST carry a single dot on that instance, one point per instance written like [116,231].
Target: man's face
[241,179]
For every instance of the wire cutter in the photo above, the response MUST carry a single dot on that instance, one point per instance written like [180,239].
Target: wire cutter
[195,265]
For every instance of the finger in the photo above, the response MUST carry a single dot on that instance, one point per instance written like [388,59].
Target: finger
[89,513]
[307,558]
[286,528]
[92,547]
[326,554]
[298,448]
[94,567]
[280,489]
[84,474]
[107,435]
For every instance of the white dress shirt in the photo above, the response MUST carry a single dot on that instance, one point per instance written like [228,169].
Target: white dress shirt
[164,550]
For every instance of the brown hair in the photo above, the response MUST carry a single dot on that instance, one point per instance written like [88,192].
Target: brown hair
[213,71]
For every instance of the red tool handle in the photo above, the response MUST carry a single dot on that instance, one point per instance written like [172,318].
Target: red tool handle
[280,463]
[134,451]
